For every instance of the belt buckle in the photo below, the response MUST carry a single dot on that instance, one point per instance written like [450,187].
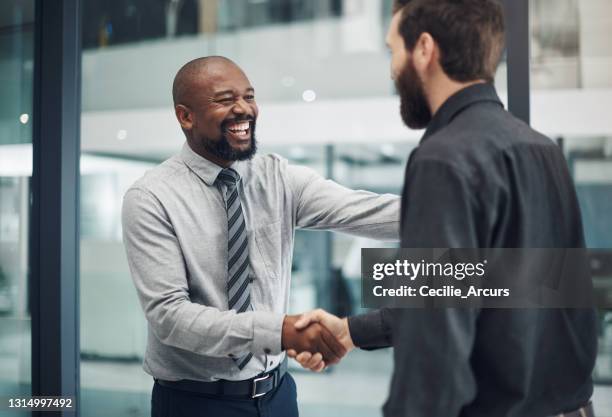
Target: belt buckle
[255,381]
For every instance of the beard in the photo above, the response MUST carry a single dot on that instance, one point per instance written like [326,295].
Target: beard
[414,107]
[223,149]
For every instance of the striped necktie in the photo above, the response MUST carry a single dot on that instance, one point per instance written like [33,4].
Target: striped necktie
[239,283]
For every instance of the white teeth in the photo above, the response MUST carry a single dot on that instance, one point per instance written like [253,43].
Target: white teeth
[239,126]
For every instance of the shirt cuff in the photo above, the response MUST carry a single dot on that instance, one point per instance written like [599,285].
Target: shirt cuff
[267,330]
[371,330]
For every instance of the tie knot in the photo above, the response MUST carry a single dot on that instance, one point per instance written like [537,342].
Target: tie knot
[229,177]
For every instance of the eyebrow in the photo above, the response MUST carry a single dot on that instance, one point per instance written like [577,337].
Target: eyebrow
[228,92]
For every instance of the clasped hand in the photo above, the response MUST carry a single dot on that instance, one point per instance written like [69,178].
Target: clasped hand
[316,339]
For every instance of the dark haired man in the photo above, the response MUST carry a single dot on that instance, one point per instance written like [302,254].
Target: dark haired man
[209,238]
[480,178]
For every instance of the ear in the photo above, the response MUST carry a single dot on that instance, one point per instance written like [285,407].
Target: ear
[184,116]
[425,53]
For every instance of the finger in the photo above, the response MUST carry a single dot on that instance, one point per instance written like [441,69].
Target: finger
[329,355]
[314,316]
[315,361]
[291,353]
[334,344]
[303,358]
[320,367]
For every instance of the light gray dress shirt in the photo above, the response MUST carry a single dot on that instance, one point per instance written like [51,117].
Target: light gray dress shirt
[175,234]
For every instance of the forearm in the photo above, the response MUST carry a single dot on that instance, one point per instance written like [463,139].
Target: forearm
[212,332]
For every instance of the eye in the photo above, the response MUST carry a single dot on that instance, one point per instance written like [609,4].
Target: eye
[249,97]
[225,100]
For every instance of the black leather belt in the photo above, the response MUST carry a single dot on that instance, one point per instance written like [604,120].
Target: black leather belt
[251,388]
[586,411]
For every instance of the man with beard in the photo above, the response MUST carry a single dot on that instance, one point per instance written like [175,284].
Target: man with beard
[209,238]
[479,178]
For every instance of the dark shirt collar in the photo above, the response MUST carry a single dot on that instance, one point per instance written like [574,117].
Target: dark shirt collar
[203,168]
[462,99]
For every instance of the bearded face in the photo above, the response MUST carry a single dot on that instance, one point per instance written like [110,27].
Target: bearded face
[414,107]
[230,133]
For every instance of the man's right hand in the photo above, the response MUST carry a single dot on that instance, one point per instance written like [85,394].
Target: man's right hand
[315,338]
[337,326]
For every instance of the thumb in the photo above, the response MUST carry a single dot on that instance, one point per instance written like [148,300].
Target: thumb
[302,322]
[309,317]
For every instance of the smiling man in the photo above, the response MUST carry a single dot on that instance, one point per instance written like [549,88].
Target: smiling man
[226,132]
[209,238]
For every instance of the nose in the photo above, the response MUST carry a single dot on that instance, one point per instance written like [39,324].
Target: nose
[240,107]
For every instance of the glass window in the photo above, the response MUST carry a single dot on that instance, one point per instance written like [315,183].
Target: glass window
[571,74]
[16,82]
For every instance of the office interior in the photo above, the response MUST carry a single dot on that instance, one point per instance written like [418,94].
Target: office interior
[321,74]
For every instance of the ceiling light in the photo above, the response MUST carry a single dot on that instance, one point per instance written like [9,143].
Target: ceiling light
[309,96]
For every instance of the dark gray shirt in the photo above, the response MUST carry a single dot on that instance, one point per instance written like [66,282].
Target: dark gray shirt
[175,235]
[482,178]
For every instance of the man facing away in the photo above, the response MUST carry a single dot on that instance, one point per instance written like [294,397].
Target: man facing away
[209,239]
[480,178]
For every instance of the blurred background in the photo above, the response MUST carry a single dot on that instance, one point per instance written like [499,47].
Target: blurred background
[321,73]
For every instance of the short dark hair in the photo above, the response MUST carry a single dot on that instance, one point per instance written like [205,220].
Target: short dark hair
[469,34]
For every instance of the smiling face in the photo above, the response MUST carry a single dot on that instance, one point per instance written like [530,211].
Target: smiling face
[217,111]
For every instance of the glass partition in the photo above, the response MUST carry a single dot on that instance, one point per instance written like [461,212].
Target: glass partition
[16,84]
[571,77]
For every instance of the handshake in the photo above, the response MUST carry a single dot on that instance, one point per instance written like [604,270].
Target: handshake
[316,339]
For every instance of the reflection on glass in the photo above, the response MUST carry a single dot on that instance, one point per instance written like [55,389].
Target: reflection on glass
[16,51]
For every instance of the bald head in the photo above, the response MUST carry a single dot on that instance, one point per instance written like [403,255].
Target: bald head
[196,72]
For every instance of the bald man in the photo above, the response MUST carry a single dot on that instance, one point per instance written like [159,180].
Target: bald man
[209,236]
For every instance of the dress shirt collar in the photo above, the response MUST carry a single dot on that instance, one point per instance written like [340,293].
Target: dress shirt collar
[459,101]
[203,168]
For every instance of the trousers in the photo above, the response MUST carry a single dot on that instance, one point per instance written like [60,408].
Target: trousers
[280,402]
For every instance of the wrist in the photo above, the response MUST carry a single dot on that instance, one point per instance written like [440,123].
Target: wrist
[267,332]
[287,329]
[346,337]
